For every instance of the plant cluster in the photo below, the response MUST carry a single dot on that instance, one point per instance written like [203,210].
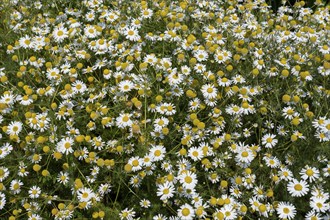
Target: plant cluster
[189,109]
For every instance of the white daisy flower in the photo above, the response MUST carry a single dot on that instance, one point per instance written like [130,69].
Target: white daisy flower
[195,153]
[186,212]
[286,210]
[297,188]
[132,34]
[85,194]
[65,146]
[165,191]
[34,192]
[269,140]
[209,91]
[4,172]
[15,186]
[188,179]
[126,86]
[124,120]
[319,204]
[157,153]
[60,33]
[14,128]
[310,173]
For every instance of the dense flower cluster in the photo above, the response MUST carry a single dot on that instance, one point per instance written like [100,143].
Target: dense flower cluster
[164,110]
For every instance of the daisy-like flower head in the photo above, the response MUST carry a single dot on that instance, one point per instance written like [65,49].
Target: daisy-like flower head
[60,33]
[269,140]
[136,163]
[65,146]
[132,34]
[125,86]
[34,192]
[195,153]
[15,186]
[157,153]
[127,214]
[297,188]
[124,120]
[79,87]
[188,179]
[2,200]
[309,173]
[186,212]
[4,172]
[165,191]
[209,91]
[286,210]
[14,128]
[319,204]
[85,194]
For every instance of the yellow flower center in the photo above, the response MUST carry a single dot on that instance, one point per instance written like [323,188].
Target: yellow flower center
[298,187]
[188,179]
[185,212]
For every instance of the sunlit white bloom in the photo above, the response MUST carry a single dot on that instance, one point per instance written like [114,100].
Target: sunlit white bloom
[14,128]
[147,13]
[34,192]
[269,140]
[127,214]
[157,153]
[188,179]
[65,146]
[85,194]
[209,91]
[125,86]
[60,33]
[132,34]
[309,173]
[124,120]
[286,210]
[195,153]
[79,87]
[297,188]
[4,172]
[165,191]
[186,212]
[320,204]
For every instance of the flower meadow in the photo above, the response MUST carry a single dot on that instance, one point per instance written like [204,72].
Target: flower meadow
[164,110]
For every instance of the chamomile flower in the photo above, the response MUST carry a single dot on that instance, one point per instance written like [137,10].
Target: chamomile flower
[186,212]
[127,214]
[195,153]
[2,200]
[310,173]
[145,203]
[269,140]
[14,128]
[4,172]
[85,194]
[319,204]
[209,91]
[79,87]
[60,34]
[125,86]
[34,192]
[124,120]
[132,34]
[297,188]
[188,179]
[16,186]
[286,210]
[157,153]
[63,177]
[65,146]
[165,191]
